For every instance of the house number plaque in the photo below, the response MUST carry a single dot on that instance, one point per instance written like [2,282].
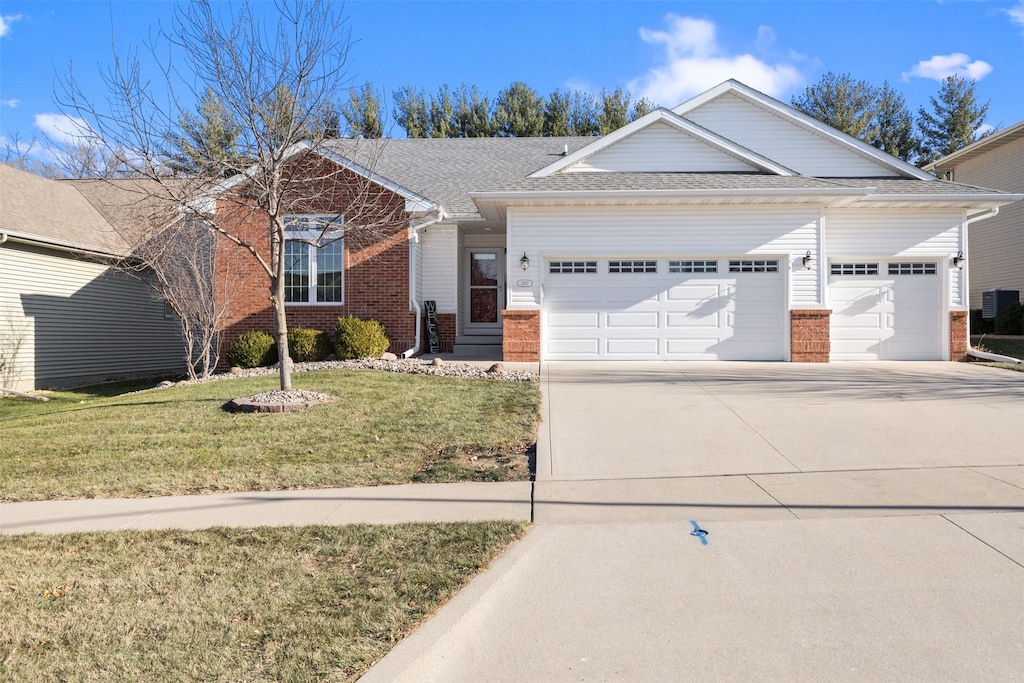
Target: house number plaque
[433,339]
[524,283]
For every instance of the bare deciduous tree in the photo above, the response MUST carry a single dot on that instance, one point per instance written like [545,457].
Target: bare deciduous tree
[280,84]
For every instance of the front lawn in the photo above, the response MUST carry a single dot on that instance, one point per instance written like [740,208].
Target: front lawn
[385,428]
[267,604]
[1005,347]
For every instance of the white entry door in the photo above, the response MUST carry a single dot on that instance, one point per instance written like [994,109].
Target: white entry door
[886,310]
[674,308]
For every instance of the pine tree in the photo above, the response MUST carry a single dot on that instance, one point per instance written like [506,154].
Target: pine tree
[955,119]
[519,112]
[614,112]
[556,114]
[472,117]
[841,102]
[442,114]
[583,114]
[894,125]
[362,112]
[640,108]
[410,112]
[207,140]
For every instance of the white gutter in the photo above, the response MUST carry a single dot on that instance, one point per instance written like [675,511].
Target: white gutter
[971,351]
[440,216]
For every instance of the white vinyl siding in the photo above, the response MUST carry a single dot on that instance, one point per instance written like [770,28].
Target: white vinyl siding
[903,234]
[439,266]
[996,253]
[778,139]
[661,148]
[650,231]
[80,321]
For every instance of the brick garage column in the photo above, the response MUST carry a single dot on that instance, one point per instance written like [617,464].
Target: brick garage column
[958,336]
[809,336]
[521,340]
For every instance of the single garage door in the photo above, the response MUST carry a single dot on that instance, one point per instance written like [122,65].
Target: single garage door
[678,308]
[886,310]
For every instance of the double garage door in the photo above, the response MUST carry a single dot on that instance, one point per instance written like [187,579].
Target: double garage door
[886,310]
[676,308]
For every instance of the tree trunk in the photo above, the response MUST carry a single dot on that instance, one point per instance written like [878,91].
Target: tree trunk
[280,320]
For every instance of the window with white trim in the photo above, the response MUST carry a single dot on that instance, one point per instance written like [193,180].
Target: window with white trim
[693,266]
[854,269]
[927,268]
[632,266]
[314,274]
[754,266]
[572,267]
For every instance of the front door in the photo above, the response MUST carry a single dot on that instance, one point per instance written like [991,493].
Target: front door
[486,290]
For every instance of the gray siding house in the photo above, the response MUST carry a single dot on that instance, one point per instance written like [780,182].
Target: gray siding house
[66,316]
[995,247]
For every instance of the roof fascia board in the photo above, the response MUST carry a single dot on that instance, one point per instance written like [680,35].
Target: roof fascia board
[986,198]
[997,138]
[774,106]
[413,202]
[662,115]
[60,245]
[667,194]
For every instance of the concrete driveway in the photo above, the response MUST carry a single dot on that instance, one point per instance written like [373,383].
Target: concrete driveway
[865,523]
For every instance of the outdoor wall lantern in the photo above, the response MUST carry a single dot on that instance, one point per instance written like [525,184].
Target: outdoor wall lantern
[808,260]
[958,260]
[524,262]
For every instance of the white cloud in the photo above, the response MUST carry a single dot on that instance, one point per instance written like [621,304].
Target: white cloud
[5,23]
[12,103]
[1016,13]
[63,129]
[695,62]
[940,67]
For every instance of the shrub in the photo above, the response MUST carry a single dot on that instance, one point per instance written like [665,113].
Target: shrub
[355,338]
[253,350]
[308,345]
[1011,320]
[980,325]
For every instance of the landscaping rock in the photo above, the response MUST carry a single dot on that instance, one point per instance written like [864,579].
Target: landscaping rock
[497,367]
[437,362]
[277,401]
[388,356]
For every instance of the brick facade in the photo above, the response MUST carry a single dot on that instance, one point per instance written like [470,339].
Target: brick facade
[958,336]
[521,340]
[376,257]
[809,336]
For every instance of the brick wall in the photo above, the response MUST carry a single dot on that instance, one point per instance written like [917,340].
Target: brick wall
[809,336]
[958,336]
[376,255]
[521,335]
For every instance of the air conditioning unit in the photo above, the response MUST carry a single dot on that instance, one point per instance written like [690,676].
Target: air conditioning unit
[993,301]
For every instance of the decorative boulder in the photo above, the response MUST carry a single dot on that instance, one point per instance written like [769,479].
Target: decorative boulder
[437,362]
[388,356]
[497,367]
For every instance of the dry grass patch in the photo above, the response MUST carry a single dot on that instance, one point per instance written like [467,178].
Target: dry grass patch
[384,428]
[266,604]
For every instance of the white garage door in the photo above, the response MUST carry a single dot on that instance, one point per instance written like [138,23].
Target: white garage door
[684,309]
[886,311]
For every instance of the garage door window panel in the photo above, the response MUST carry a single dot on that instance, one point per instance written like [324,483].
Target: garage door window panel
[572,267]
[754,266]
[854,269]
[693,266]
[632,266]
[926,268]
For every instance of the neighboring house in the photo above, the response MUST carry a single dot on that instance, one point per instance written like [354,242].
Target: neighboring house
[66,317]
[995,246]
[731,227]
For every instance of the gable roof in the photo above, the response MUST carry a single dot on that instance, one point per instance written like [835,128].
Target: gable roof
[53,213]
[666,117]
[976,149]
[803,121]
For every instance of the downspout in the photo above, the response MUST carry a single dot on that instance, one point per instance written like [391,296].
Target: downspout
[413,249]
[971,351]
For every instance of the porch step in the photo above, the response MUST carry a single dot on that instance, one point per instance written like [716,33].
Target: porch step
[478,340]
[477,352]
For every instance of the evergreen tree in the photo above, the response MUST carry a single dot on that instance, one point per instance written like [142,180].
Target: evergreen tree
[442,114]
[362,113]
[472,117]
[556,114]
[894,125]
[583,114]
[519,112]
[841,102]
[954,121]
[410,112]
[207,141]
[614,110]
[640,108]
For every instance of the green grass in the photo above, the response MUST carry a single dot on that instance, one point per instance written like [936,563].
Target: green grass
[1006,347]
[266,604]
[385,428]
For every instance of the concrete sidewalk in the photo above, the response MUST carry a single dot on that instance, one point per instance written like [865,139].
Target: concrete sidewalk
[371,505]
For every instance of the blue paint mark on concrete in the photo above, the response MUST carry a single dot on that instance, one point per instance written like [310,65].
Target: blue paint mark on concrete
[702,534]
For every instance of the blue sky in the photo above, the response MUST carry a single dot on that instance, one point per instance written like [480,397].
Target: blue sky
[667,51]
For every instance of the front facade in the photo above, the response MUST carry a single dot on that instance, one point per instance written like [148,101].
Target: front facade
[995,246]
[729,228]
